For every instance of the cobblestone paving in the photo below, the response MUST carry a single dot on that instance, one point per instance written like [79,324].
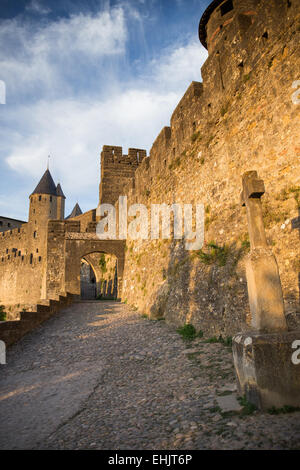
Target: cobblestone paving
[100,376]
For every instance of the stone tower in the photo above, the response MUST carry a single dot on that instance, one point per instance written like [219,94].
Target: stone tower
[236,34]
[226,21]
[60,203]
[116,171]
[46,202]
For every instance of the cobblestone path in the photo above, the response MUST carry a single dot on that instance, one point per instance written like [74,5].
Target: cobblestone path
[100,376]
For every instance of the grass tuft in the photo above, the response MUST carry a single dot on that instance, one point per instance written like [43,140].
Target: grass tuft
[248,408]
[215,254]
[285,409]
[188,332]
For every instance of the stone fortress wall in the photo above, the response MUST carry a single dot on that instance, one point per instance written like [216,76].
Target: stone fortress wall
[9,224]
[240,118]
[22,266]
[24,256]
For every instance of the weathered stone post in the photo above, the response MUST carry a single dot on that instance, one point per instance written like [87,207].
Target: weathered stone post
[263,357]
[264,286]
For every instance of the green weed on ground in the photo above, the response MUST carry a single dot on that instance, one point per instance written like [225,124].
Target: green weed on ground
[285,409]
[188,332]
[226,341]
[248,408]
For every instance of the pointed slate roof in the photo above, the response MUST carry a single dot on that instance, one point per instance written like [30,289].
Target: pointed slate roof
[46,185]
[59,191]
[75,212]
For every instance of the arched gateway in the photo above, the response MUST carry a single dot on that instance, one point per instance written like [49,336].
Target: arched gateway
[67,246]
[79,246]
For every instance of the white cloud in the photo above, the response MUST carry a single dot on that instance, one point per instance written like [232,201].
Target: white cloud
[180,65]
[74,132]
[41,57]
[73,128]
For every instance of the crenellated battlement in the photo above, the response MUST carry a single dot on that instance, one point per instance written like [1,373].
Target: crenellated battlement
[11,242]
[16,232]
[113,155]
[117,170]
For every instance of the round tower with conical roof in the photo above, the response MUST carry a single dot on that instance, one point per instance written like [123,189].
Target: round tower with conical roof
[46,201]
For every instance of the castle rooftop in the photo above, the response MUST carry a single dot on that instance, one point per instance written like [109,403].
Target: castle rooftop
[75,212]
[46,185]
[59,191]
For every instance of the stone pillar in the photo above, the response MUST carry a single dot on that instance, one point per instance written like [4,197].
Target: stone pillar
[266,372]
[264,286]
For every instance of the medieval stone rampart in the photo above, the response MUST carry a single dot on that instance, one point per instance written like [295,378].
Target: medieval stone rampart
[240,118]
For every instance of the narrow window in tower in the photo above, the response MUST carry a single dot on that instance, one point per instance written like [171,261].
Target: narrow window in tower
[31,258]
[40,198]
[226,7]
[50,198]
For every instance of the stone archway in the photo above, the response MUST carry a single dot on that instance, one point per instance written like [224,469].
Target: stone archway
[82,245]
[105,269]
[99,276]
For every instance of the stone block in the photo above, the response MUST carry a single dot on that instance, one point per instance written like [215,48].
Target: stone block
[229,403]
[266,368]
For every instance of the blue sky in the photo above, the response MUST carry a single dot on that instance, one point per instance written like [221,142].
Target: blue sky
[82,74]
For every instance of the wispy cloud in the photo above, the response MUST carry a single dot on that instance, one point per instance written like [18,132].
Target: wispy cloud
[38,57]
[72,122]
[179,66]
[37,7]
